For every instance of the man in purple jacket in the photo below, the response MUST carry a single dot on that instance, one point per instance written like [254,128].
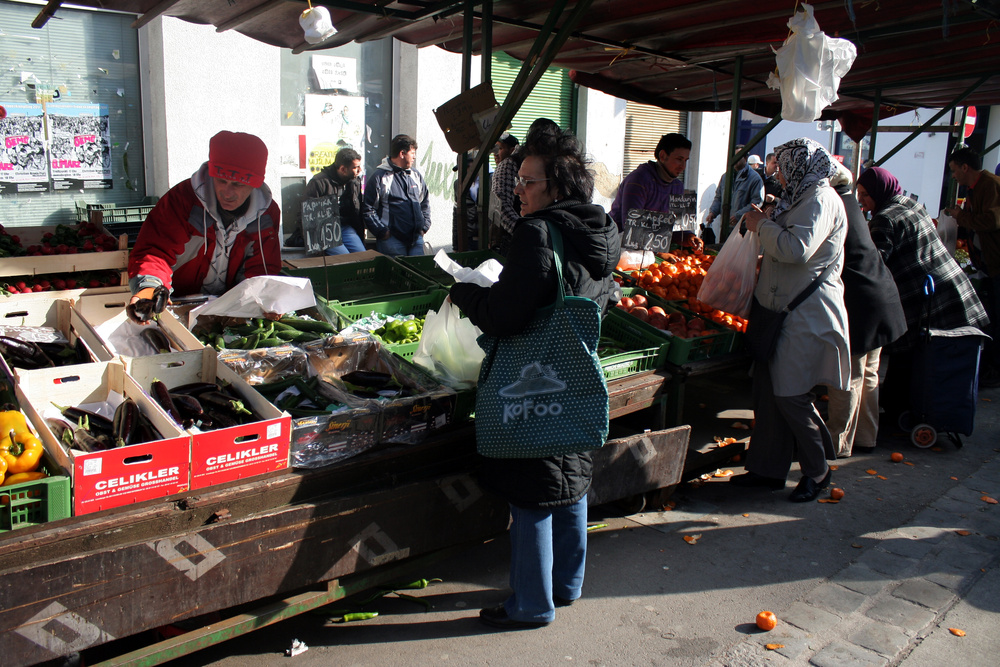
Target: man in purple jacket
[650,185]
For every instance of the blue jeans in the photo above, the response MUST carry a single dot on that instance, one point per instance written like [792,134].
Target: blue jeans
[394,247]
[351,242]
[548,554]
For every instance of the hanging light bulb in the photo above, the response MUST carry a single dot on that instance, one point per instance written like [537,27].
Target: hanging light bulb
[317,24]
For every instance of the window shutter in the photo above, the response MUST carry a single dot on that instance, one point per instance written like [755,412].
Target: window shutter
[553,97]
[644,125]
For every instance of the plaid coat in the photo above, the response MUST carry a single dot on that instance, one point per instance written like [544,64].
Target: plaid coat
[905,236]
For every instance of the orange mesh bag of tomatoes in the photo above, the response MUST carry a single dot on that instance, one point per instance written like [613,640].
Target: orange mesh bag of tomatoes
[729,283]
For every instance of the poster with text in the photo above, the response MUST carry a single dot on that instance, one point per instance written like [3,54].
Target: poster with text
[336,73]
[332,122]
[23,166]
[80,147]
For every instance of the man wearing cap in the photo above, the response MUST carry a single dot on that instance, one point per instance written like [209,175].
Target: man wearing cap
[397,206]
[213,230]
[505,206]
[748,190]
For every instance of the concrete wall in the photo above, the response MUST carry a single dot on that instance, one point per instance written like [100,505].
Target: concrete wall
[437,76]
[201,82]
[709,134]
[600,125]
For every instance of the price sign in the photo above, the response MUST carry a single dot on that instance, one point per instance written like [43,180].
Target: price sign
[647,230]
[321,224]
[685,207]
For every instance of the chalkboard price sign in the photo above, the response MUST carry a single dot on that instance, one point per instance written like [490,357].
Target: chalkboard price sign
[647,230]
[685,208]
[321,224]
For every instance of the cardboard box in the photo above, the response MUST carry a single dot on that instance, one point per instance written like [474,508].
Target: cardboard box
[56,314]
[227,454]
[114,477]
[105,314]
[329,260]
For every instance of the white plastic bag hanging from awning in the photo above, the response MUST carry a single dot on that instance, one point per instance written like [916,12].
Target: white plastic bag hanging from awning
[810,67]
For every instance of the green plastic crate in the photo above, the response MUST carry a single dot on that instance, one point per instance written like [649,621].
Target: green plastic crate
[646,351]
[427,267]
[418,305]
[32,503]
[358,282]
[716,340]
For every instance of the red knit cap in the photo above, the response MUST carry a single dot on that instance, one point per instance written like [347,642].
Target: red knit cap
[237,156]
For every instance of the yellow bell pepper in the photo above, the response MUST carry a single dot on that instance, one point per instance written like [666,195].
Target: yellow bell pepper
[3,470]
[20,449]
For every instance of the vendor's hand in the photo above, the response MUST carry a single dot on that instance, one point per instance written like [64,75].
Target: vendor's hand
[953,212]
[753,217]
[146,293]
[274,317]
[709,218]
[733,219]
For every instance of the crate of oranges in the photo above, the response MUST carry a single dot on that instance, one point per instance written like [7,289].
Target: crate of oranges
[692,336]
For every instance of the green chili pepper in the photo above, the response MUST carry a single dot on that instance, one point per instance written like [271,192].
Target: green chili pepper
[358,616]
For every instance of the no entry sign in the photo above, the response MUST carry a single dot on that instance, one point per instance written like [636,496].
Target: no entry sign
[970,121]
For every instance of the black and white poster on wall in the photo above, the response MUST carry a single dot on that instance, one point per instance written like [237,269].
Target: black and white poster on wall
[80,147]
[23,165]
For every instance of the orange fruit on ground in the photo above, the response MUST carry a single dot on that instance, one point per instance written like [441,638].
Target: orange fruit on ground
[766,620]
[896,457]
[836,493]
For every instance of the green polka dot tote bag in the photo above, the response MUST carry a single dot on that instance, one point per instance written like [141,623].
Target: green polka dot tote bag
[542,392]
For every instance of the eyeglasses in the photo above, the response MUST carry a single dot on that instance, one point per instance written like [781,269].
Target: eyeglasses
[523,182]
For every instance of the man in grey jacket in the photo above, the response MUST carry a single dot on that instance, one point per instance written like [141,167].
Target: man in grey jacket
[397,206]
[748,189]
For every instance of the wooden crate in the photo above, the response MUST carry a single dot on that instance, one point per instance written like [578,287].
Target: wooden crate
[88,261]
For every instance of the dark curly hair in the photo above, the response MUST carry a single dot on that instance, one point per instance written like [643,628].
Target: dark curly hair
[565,164]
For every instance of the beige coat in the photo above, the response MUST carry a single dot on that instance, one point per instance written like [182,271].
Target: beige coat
[813,347]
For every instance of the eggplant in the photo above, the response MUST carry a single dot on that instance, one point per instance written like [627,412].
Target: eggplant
[62,431]
[195,388]
[370,379]
[95,423]
[188,406]
[157,339]
[219,417]
[144,310]
[221,400]
[162,396]
[126,423]
[24,353]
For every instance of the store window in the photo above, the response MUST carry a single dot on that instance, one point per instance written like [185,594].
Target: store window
[330,99]
[72,125]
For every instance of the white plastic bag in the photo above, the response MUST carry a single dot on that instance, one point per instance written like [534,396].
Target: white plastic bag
[448,347]
[947,229]
[316,25]
[810,67]
[483,275]
[731,279]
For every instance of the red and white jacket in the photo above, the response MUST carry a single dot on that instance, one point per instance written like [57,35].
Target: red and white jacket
[177,243]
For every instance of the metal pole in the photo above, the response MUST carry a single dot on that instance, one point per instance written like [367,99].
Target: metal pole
[460,236]
[958,100]
[876,112]
[486,55]
[990,147]
[734,127]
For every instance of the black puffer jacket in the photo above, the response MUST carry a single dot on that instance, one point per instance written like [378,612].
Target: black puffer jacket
[528,282]
[327,182]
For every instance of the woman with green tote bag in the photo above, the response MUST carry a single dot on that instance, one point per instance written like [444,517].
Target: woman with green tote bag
[545,479]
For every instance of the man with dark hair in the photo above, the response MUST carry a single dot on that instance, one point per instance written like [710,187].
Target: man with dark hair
[772,186]
[342,179]
[397,207]
[748,190]
[650,185]
[981,214]
[505,208]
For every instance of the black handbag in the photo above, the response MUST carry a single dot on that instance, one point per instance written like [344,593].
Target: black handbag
[764,325]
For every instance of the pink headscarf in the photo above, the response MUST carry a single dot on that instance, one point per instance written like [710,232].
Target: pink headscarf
[880,185]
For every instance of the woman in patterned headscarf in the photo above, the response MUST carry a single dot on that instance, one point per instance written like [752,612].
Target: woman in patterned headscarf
[802,237]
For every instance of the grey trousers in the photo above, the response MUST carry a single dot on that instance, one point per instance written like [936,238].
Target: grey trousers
[786,425]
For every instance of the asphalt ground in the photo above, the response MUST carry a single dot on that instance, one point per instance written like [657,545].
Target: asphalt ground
[877,579]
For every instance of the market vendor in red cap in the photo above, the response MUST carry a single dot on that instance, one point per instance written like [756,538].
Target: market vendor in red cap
[214,229]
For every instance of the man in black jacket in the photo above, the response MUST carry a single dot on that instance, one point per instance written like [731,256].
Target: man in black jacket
[343,180]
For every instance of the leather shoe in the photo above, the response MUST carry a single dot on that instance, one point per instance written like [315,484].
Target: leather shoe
[497,617]
[561,602]
[752,479]
[808,488]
